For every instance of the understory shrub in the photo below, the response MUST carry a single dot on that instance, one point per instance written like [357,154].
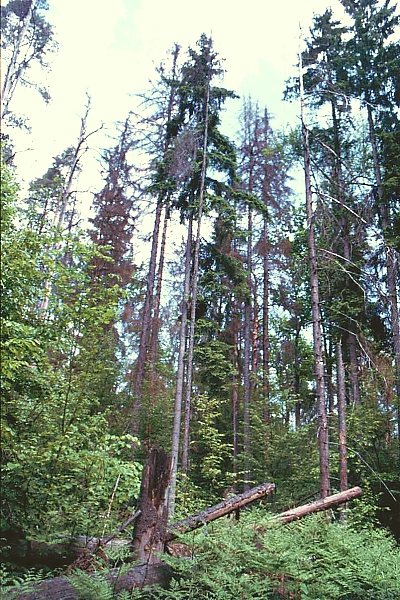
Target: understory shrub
[309,560]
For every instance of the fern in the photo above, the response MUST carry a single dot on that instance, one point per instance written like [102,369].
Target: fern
[91,587]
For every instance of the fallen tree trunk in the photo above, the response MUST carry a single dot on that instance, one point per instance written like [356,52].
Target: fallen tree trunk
[145,574]
[61,588]
[219,510]
[324,504]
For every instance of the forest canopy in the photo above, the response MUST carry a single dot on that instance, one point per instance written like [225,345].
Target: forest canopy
[209,304]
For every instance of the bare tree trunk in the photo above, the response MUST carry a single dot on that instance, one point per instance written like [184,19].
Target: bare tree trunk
[219,510]
[341,406]
[324,504]
[296,367]
[14,72]
[315,310]
[65,194]
[392,264]
[145,334]
[155,326]
[235,393]
[146,320]
[265,325]
[180,373]
[193,296]
[254,337]
[247,358]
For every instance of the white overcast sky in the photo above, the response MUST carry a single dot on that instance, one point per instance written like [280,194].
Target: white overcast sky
[110,49]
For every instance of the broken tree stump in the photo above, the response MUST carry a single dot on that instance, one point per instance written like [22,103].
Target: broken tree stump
[149,573]
[151,524]
[324,504]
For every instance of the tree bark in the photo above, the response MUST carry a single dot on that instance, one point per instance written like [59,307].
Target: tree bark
[323,439]
[219,510]
[180,372]
[148,325]
[155,325]
[151,523]
[324,504]
[265,325]
[193,295]
[392,269]
[60,588]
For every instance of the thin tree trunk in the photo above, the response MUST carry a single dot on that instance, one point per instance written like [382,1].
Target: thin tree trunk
[254,337]
[13,72]
[324,504]
[219,510]
[315,310]
[146,321]
[265,326]
[392,268]
[65,196]
[145,334]
[155,326]
[193,300]
[247,357]
[341,406]
[180,374]
[296,367]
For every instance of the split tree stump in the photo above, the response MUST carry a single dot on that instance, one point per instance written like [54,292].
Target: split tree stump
[151,524]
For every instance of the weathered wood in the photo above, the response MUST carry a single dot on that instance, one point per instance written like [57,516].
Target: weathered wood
[324,504]
[147,573]
[60,588]
[151,524]
[219,510]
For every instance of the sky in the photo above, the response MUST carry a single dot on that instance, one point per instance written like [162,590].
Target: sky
[111,50]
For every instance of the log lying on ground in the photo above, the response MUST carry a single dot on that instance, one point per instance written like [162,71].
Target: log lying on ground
[150,574]
[219,510]
[60,588]
[324,504]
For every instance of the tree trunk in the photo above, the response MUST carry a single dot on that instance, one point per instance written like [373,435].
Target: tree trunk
[296,368]
[219,510]
[324,504]
[315,310]
[60,588]
[392,269]
[235,403]
[146,322]
[145,334]
[151,524]
[193,296]
[14,73]
[247,355]
[180,373]
[65,196]
[155,325]
[341,406]
[265,325]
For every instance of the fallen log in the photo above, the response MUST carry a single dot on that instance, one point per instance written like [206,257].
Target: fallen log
[60,588]
[324,504]
[219,510]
